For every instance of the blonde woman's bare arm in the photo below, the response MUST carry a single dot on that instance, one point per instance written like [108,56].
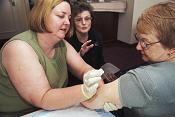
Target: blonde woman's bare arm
[29,78]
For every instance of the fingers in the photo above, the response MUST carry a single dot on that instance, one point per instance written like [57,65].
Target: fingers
[93,73]
[85,47]
[86,43]
[92,77]
[92,81]
[106,107]
[109,107]
[92,88]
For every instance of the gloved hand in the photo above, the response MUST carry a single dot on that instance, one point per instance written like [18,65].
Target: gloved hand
[90,82]
[109,107]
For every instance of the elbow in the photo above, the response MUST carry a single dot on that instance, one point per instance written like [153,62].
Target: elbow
[43,102]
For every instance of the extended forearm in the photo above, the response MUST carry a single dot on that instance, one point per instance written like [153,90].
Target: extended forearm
[62,98]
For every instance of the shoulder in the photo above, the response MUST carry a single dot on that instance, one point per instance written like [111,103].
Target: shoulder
[145,74]
[17,46]
[20,42]
[95,35]
[74,42]
[135,88]
[141,86]
[95,32]
[25,34]
[147,80]
[17,50]
[155,70]
[65,44]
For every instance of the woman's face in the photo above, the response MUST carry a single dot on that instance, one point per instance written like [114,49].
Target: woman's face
[58,22]
[151,48]
[83,22]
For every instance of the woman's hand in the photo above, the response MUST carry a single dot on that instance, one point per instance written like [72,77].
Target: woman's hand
[97,101]
[107,98]
[85,47]
[91,82]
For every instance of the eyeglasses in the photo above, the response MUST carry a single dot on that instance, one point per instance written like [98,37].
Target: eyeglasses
[80,19]
[143,43]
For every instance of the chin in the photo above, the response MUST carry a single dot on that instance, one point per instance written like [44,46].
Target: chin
[61,37]
[148,60]
[145,58]
[84,31]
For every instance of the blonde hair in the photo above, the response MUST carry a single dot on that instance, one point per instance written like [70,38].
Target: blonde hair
[159,19]
[40,13]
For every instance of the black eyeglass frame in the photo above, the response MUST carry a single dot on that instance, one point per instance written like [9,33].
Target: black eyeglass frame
[145,45]
[87,19]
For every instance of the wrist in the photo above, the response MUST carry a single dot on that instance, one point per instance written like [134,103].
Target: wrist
[84,92]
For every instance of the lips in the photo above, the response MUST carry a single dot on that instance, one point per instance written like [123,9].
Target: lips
[64,29]
[84,28]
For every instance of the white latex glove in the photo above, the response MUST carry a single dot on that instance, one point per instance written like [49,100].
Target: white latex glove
[109,107]
[90,82]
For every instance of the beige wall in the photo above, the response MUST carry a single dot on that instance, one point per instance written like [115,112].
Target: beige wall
[127,21]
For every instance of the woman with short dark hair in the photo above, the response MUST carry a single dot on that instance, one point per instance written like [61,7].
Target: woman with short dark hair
[86,40]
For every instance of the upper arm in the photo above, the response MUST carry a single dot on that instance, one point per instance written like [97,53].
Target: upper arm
[25,71]
[110,93]
[76,64]
[134,88]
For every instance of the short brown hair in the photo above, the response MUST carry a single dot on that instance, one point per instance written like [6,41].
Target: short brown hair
[80,6]
[159,19]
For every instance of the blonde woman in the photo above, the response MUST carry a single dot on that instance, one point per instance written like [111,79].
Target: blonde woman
[33,66]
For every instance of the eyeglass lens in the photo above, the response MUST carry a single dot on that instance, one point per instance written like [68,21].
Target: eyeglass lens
[143,43]
[80,19]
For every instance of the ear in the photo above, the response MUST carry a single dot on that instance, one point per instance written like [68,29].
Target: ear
[171,51]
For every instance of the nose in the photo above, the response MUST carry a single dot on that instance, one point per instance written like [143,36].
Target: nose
[67,21]
[138,47]
[83,21]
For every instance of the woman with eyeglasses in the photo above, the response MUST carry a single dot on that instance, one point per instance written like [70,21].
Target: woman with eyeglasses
[85,39]
[149,91]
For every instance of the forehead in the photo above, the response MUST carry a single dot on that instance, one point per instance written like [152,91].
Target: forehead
[63,7]
[151,37]
[83,14]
